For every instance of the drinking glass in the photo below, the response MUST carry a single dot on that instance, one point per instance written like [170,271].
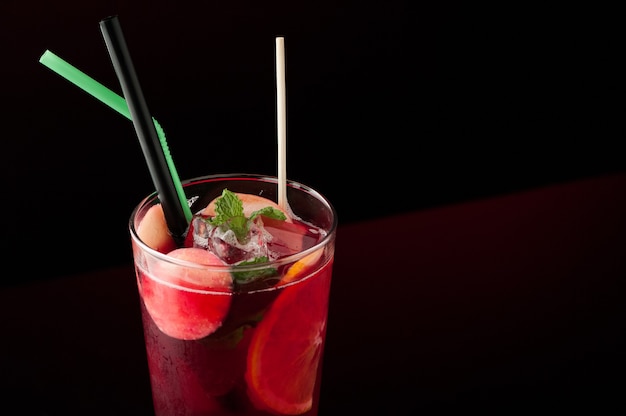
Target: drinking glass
[253,349]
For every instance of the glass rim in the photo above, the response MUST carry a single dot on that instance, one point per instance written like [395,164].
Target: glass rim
[292,258]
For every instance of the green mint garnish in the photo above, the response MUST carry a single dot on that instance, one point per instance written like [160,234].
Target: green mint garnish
[269,212]
[244,277]
[229,213]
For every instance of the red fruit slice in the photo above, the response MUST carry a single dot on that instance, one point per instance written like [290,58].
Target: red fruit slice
[286,348]
[188,312]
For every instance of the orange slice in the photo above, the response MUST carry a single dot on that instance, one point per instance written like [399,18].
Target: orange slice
[286,348]
[302,266]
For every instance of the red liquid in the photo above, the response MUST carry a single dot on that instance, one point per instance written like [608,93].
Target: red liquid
[246,367]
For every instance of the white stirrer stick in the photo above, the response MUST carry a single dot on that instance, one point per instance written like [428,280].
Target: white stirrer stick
[281,110]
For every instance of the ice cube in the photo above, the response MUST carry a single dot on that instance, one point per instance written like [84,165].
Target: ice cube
[200,232]
[224,243]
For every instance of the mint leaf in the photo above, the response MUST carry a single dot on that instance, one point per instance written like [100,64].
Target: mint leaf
[244,277]
[227,206]
[229,213]
[270,212]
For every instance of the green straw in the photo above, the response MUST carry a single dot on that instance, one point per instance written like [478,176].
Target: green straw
[85,82]
[117,103]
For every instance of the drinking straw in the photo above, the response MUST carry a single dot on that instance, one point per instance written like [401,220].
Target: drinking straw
[85,82]
[155,155]
[281,110]
[116,102]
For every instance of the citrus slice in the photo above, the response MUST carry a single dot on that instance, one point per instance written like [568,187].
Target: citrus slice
[302,266]
[286,347]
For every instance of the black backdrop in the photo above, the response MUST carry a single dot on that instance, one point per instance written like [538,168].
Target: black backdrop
[392,106]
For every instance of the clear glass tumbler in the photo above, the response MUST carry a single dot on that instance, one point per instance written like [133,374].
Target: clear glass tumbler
[249,346]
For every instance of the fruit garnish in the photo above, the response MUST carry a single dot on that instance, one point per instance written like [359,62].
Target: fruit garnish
[302,266]
[187,313]
[285,350]
[153,231]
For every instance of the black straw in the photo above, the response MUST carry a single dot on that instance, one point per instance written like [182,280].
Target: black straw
[144,126]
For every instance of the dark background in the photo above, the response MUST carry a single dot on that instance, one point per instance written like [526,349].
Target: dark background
[392,106]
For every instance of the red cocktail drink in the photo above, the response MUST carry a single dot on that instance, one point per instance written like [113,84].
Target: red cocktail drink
[235,317]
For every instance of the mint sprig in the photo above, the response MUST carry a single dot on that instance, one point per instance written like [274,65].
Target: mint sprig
[242,277]
[229,214]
